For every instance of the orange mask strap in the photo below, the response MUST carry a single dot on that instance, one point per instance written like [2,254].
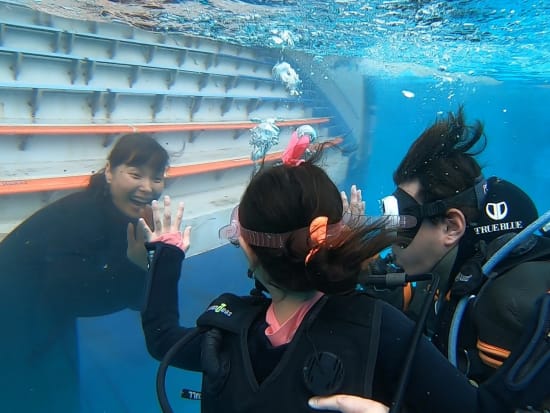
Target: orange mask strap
[318,234]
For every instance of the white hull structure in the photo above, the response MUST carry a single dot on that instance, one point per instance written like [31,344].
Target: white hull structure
[69,88]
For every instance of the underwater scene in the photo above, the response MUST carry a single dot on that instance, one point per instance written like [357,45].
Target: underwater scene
[221,87]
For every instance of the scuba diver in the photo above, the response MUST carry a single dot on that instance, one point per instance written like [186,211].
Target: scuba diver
[463,220]
[69,260]
[304,330]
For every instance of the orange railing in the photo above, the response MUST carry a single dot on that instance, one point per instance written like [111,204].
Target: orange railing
[62,183]
[44,129]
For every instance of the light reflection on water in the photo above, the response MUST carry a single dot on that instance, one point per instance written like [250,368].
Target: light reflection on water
[501,38]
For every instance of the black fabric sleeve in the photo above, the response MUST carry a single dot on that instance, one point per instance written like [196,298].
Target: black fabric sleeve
[160,319]
[93,279]
[434,385]
[72,255]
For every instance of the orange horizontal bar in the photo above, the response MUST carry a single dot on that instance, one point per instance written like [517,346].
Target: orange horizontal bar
[64,183]
[43,129]
[201,168]
[21,186]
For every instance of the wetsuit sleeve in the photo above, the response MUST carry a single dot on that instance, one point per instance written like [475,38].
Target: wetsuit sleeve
[94,280]
[80,270]
[434,385]
[160,319]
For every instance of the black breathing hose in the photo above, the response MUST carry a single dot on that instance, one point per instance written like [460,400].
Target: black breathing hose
[403,380]
[417,334]
[163,367]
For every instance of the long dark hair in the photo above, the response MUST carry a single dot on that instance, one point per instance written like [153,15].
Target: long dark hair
[287,198]
[443,160]
[135,149]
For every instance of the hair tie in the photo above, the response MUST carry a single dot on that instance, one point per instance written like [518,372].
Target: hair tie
[318,234]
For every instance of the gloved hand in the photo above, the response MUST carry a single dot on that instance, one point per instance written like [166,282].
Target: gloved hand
[470,277]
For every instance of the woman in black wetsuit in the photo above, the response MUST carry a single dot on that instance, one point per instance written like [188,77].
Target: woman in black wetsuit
[272,354]
[69,260]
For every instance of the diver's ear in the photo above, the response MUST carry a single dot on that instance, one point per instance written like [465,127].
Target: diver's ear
[455,226]
[108,173]
[250,255]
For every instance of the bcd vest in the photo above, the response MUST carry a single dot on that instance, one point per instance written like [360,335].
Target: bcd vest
[506,301]
[495,319]
[333,351]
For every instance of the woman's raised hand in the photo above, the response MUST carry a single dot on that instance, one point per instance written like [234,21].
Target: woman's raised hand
[165,228]
[355,205]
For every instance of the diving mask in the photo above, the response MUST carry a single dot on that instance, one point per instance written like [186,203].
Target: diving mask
[234,230]
[402,203]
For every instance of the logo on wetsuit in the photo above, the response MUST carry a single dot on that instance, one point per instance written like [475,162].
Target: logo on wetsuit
[222,308]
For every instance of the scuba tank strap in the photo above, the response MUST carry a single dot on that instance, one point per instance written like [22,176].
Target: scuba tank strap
[534,248]
[424,289]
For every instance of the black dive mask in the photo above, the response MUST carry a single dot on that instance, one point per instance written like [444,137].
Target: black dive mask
[401,203]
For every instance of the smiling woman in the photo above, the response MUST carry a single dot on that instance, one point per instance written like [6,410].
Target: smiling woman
[68,260]
[134,174]
[133,188]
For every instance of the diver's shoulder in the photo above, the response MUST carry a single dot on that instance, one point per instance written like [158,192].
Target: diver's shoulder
[78,199]
[58,211]
[355,307]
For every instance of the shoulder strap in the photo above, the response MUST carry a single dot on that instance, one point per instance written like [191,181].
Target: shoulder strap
[362,310]
[539,252]
[232,313]
[355,308]
[374,340]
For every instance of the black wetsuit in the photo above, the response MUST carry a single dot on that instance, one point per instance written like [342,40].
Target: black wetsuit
[502,307]
[435,386]
[65,261]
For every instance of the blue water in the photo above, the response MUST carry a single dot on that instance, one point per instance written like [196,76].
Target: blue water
[517,125]
[500,38]
[491,56]
[119,377]
[117,374]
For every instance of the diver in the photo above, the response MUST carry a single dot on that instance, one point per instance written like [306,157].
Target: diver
[305,330]
[76,257]
[463,219]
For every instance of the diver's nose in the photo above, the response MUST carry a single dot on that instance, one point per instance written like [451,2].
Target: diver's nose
[147,185]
